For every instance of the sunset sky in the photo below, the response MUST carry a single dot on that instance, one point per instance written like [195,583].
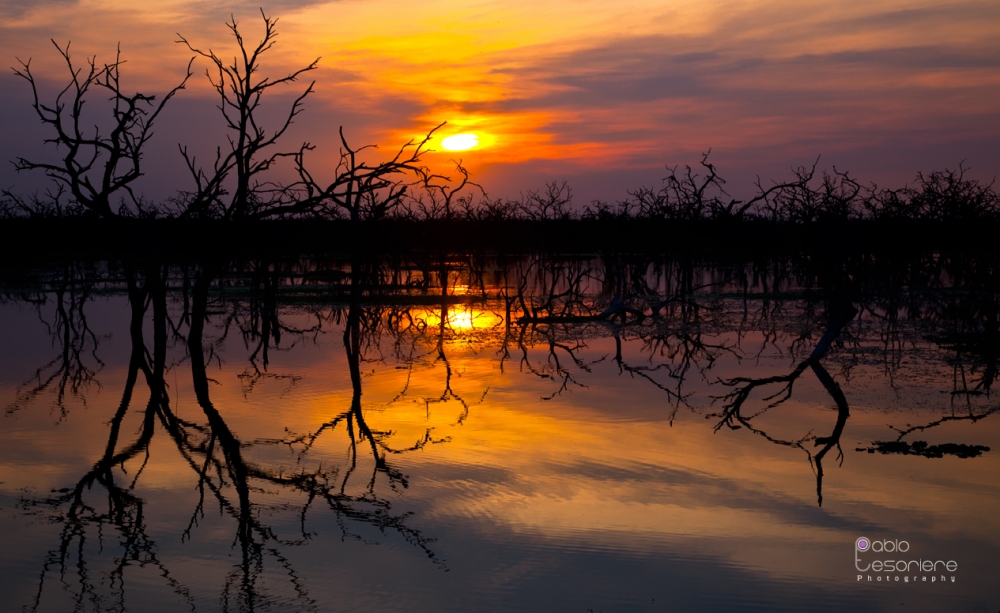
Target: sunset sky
[600,94]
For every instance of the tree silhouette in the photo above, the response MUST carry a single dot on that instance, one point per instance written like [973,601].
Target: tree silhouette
[250,152]
[96,165]
[360,189]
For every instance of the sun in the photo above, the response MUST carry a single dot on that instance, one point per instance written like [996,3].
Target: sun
[461,142]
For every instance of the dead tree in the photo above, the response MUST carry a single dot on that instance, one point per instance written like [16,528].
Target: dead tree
[95,164]
[441,199]
[692,196]
[250,152]
[553,203]
[361,189]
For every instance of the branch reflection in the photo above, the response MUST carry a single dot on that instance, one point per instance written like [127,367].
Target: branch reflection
[572,323]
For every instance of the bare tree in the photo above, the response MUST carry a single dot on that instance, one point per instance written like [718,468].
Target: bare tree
[552,203]
[250,144]
[440,198]
[361,189]
[690,196]
[95,165]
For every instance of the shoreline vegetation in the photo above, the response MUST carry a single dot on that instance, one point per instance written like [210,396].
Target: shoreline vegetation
[399,203]
[178,240]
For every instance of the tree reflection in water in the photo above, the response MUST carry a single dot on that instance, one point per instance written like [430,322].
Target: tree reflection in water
[216,457]
[545,315]
[75,366]
[840,290]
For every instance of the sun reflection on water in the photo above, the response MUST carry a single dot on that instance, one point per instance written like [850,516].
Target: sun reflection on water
[458,318]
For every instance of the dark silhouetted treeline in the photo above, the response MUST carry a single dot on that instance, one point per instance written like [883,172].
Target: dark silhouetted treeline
[40,239]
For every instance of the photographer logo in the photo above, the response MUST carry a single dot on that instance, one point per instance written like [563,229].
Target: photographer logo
[885,561]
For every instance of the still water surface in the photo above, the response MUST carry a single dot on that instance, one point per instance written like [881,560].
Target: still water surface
[462,435]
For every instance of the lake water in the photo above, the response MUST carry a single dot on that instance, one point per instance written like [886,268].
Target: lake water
[531,433]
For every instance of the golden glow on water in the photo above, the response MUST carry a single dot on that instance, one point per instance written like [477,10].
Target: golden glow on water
[670,480]
[459,318]
[663,480]
[489,452]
